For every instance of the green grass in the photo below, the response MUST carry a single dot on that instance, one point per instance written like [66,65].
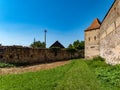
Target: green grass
[77,75]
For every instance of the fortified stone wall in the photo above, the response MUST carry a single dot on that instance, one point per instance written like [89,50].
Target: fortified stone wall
[13,54]
[110,35]
[92,43]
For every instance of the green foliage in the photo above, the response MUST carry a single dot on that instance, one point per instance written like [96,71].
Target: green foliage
[72,50]
[109,75]
[3,65]
[70,46]
[98,58]
[38,44]
[78,45]
[106,73]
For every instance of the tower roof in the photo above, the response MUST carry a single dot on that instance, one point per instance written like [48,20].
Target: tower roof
[95,25]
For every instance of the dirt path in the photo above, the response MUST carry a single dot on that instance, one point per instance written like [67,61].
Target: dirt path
[18,70]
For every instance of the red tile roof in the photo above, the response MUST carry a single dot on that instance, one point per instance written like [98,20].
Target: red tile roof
[95,25]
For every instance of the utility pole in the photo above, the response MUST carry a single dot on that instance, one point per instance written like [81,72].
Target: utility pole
[34,40]
[45,37]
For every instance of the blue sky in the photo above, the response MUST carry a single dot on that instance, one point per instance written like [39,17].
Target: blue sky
[65,20]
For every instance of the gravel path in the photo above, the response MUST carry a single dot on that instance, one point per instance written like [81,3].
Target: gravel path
[19,70]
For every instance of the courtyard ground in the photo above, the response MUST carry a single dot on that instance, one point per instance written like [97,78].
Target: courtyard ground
[72,75]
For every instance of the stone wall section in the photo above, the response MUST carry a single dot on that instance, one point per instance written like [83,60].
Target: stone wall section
[14,54]
[110,35]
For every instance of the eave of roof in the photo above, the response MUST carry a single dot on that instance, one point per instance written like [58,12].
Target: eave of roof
[92,29]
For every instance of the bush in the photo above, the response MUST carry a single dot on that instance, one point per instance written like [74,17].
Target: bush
[98,58]
[3,65]
[96,62]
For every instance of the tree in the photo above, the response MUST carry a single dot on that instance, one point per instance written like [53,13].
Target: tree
[82,45]
[70,46]
[38,44]
[78,45]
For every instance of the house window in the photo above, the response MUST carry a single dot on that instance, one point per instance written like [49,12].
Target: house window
[94,37]
[89,39]
[92,47]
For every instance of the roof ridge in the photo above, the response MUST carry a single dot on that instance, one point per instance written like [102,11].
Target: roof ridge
[57,44]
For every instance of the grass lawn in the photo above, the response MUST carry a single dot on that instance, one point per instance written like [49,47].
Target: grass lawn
[77,75]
